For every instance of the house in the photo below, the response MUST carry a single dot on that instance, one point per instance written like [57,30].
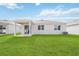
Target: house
[7,27]
[3,27]
[30,27]
[73,27]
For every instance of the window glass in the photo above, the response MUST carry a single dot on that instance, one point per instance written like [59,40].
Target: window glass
[40,27]
[59,27]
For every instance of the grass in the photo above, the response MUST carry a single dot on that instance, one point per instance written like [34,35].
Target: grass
[39,45]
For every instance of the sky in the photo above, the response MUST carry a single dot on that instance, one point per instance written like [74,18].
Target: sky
[35,11]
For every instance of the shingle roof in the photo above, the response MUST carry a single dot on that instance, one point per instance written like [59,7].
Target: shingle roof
[46,22]
[32,21]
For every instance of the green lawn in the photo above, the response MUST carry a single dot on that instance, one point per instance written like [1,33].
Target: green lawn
[39,45]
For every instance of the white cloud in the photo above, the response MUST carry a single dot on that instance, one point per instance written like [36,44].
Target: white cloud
[50,12]
[11,5]
[58,12]
[72,11]
[37,4]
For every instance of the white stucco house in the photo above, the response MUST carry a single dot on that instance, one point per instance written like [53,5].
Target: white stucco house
[30,27]
[73,27]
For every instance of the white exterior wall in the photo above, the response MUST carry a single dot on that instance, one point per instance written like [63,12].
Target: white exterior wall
[48,29]
[10,29]
[73,29]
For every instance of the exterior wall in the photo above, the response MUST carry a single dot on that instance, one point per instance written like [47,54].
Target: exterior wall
[73,29]
[10,29]
[48,29]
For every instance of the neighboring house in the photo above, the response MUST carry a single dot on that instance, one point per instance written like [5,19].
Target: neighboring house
[29,27]
[73,27]
[7,27]
[3,27]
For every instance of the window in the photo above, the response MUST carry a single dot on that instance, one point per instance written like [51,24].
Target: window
[0,26]
[26,27]
[40,27]
[57,27]
[2,29]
